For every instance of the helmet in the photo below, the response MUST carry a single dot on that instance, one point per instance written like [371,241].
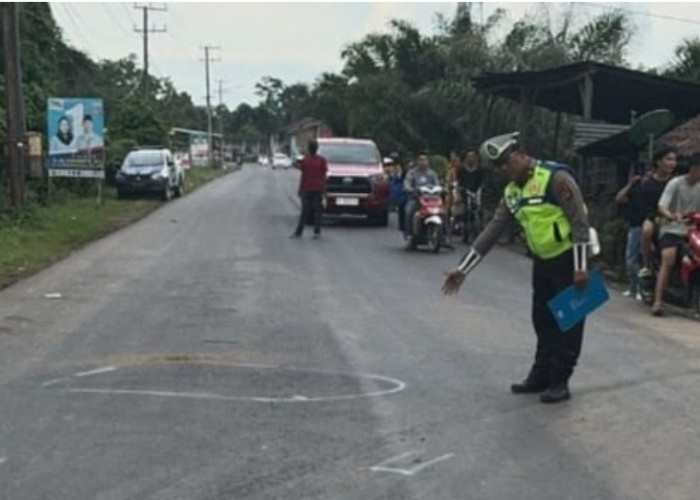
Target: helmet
[497,149]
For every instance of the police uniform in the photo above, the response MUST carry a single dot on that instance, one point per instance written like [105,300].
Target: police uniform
[550,209]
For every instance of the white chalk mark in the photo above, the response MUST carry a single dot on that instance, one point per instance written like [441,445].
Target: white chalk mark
[55,381]
[104,369]
[434,461]
[382,467]
[53,296]
[398,386]
[220,397]
[3,460]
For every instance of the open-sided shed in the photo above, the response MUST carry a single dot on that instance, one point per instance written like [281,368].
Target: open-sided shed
[594,91]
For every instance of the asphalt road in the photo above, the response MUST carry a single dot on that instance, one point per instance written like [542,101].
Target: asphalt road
[200,354]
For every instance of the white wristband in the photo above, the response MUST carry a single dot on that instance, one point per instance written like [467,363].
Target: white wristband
[469,262]
[580,257]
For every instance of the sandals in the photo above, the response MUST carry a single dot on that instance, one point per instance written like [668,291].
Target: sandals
[658,310]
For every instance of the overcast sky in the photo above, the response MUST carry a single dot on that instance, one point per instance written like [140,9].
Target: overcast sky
[298,41]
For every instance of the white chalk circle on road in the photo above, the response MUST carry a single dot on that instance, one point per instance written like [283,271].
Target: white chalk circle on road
[134,380]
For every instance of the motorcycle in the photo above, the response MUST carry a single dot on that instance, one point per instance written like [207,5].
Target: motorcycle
[472,217]
[428,222]
[684,283]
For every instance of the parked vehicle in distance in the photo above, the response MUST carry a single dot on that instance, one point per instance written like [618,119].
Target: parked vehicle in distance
[281,160]
[356,184]
[150,170]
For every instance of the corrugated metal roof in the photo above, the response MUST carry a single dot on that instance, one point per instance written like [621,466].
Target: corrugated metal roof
[684,138]
[617,91]
[589,132]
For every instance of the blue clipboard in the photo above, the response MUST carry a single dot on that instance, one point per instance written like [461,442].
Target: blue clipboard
[571,306]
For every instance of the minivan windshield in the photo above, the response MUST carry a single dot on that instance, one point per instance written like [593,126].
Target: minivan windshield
[145,159]
[350,154]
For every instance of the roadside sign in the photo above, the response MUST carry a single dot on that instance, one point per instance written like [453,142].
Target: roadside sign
[75,136]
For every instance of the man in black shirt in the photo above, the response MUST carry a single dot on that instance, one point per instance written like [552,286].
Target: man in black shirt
[471,181]
[650,191]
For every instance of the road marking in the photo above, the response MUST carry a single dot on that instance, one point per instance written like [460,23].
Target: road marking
[397,384]
[55,381]
[104,369]
[382,467]
[223,397]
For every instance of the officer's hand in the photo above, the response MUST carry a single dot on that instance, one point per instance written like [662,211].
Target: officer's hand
[453,282]
[580,279]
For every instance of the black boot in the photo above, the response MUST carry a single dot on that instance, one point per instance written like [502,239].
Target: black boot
[528,387]
[558,390]
[536,381]
[556,393]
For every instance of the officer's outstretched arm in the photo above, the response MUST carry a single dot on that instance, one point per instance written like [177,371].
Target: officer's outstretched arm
[487,238]
[571,201]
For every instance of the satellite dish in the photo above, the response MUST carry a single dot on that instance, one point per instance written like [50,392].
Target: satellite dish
[649,126]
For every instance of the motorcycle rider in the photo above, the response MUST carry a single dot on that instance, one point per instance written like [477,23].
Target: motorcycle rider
[545,200]
[681,196]
[650,190]
[419,176]
[452,179]
[472,182]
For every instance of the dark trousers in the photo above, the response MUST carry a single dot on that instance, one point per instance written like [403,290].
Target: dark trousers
[401,213]
[311,205]
[557,352]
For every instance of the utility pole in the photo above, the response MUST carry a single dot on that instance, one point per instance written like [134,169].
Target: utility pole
[15,104]
[145,7]
[207,59]
[221,117]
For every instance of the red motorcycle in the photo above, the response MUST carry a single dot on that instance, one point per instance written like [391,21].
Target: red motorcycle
[684,284]
[429,220]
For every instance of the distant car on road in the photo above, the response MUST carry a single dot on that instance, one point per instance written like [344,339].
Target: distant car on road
[281,160]
[263,160]
[356,184]
[150,170]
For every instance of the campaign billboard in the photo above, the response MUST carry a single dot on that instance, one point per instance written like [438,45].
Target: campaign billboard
[76,137]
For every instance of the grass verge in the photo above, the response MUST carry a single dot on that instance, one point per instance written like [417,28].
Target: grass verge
[51,233]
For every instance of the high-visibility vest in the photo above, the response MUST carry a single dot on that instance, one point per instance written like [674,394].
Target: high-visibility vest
[535,207]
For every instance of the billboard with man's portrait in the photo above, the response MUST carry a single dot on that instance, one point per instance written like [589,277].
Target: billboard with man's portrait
[76,137]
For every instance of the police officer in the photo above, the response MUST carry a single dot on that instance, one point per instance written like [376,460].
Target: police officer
[545,200]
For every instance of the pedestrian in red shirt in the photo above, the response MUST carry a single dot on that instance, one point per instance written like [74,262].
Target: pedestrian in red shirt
[312,186]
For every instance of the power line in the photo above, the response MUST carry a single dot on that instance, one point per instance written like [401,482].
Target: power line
[184,30]
[116,19]
[65,8]
[127,12]
[642,13]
